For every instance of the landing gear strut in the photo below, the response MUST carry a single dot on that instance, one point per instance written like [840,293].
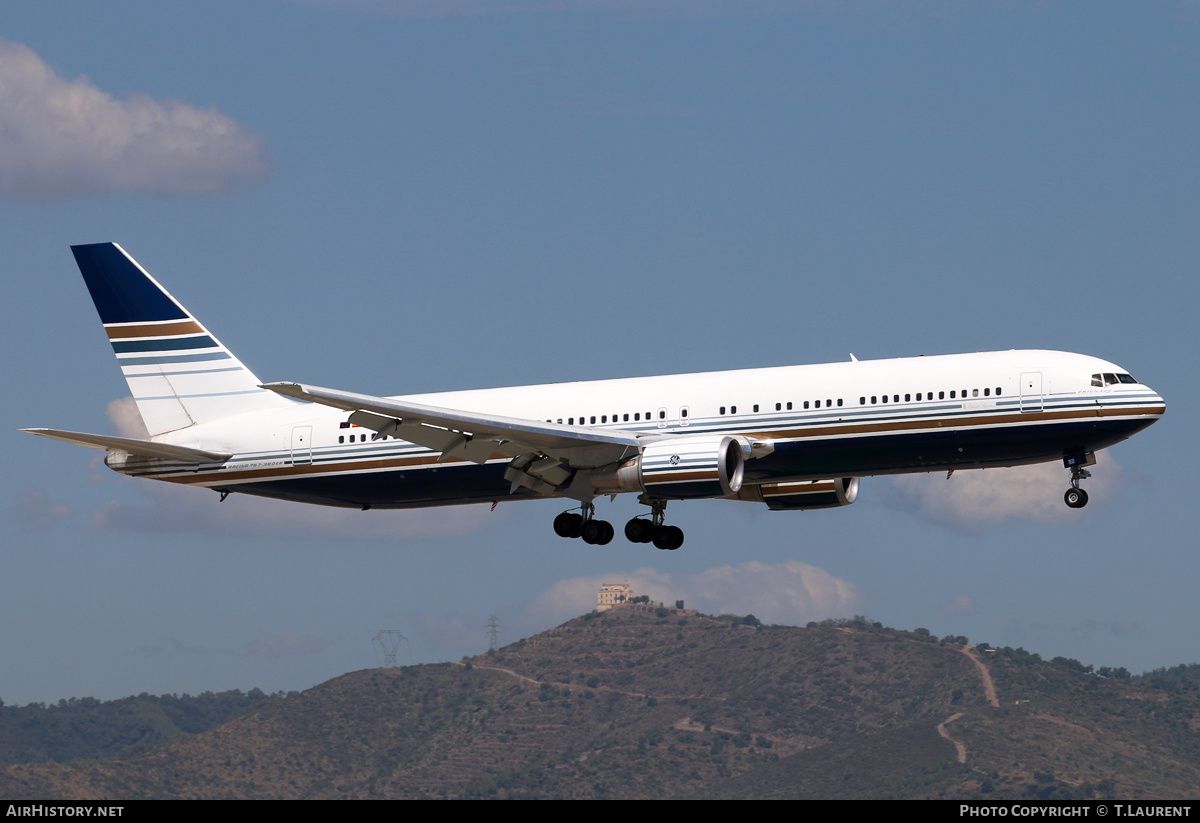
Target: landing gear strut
[1076,497]
[641,530]
[584,524]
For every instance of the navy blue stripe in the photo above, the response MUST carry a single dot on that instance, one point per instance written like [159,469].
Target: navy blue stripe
[159,344]
[121,292]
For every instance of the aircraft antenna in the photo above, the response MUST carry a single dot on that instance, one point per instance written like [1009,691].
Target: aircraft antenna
[388,641]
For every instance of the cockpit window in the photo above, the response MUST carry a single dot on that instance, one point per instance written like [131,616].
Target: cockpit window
[1107,379]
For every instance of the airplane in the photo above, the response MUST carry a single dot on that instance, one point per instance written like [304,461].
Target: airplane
[792,438]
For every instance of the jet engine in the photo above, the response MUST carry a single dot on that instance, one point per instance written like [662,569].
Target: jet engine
[807,494]
[679,468]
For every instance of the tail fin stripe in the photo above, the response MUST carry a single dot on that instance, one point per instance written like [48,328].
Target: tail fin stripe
[188,396]
[154,329]
[157,372]
[187,358]
[164,344]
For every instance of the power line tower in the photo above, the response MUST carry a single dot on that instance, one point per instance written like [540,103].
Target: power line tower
[493,629]
[388,641]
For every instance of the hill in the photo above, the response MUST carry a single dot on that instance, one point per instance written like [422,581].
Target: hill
[645,703]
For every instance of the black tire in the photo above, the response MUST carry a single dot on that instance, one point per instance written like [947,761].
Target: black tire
[593,532]
[568,524]
[638,530]
[677,538]
[607,536]
[1076,498]
[668,538]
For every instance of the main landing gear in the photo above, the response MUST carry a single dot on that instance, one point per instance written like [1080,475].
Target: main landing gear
[638,530]
[585,525]
[641,530]
[1076,497]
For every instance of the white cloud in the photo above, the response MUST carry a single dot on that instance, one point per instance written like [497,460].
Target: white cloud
[174,509]
[125,416]
[789,593]
[170,646]
[971,500]
[285,644]
[60,138]
[35,509]
[961,604]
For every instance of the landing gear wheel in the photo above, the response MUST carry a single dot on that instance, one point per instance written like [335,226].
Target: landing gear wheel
[1076,498]
[568,524]
[639,530]
[597,532]
[668,538]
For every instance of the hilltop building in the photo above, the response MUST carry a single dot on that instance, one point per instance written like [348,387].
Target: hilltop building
[612,594]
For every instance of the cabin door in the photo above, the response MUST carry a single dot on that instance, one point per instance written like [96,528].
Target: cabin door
[1031,391]
[301,445]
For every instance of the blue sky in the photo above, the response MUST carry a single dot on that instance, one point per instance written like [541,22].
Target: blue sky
[400,197]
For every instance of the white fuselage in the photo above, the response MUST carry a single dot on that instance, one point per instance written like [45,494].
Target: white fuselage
[819,421]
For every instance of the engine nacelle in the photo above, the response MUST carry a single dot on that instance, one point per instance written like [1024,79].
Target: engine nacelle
[679,468]
[807,494]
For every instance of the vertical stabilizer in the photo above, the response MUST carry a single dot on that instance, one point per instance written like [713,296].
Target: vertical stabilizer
[178,373]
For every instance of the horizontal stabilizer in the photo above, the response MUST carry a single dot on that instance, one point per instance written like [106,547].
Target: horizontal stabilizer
[144,448]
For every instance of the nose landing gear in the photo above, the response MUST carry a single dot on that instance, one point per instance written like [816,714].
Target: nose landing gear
[1077,498]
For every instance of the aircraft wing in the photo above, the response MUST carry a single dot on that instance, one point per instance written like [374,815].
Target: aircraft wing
[471,435]
[144,448]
